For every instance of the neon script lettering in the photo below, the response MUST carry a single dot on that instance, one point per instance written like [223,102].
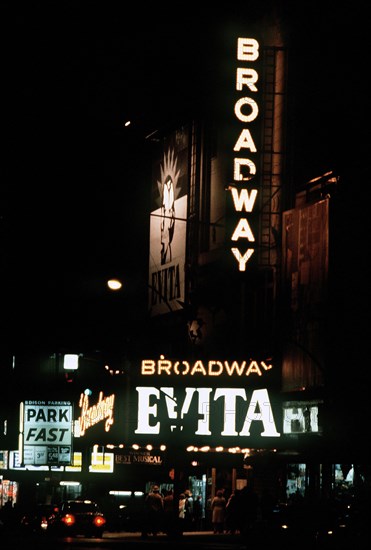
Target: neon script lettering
[102,410]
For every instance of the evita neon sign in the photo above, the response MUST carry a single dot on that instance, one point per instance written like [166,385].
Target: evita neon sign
[246,111]
[232,410]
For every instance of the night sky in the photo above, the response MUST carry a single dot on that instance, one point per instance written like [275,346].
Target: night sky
[74,191]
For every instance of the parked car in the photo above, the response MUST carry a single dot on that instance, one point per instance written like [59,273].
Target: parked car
[78,517]
[37,519]
[320,526]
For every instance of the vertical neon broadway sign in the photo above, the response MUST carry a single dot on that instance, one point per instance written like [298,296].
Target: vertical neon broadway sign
[246,110]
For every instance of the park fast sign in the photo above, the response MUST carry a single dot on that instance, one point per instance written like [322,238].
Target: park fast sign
[45,432]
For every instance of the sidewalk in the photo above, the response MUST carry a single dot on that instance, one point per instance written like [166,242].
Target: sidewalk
[191,536]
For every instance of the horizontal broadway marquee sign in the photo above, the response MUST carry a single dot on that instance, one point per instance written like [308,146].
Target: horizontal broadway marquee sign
[215,368]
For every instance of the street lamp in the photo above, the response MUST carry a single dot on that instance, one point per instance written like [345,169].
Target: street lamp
[114,284]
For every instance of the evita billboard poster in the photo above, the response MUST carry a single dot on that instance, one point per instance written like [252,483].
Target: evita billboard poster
[168,224]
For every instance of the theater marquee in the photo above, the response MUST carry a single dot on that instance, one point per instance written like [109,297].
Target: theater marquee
[214,401]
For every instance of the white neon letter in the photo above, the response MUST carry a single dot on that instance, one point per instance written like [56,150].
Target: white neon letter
[242,260]
[245,141]
[260,400]
[237,176]
[230,395]
[247,49]
[145,410]
[246,77]
[203,425]
[243,199]
[246,101]
[243,231]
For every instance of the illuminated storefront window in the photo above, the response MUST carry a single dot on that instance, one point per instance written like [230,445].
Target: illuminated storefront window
[300,417]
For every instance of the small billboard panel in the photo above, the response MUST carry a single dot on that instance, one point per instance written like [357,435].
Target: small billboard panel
[168,225]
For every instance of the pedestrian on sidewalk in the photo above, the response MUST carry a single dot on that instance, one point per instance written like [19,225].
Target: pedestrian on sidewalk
[153,512]
[218,505]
